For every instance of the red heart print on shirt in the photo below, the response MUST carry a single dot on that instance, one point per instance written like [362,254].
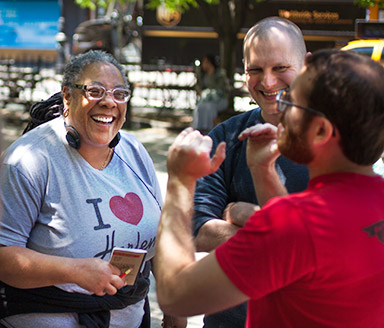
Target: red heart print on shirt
[128,209]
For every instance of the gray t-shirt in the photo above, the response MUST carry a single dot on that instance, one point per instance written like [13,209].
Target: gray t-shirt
[56,203]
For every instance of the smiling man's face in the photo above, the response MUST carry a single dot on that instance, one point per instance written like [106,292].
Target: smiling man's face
[270,65]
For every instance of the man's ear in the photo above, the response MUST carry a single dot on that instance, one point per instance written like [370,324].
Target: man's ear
[323,130]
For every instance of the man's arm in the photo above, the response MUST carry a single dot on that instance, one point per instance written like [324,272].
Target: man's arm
[238,213]
[168,320]
[215,221]
[213,233]
[210,201]
[180,288]
[262,153]
[217,231]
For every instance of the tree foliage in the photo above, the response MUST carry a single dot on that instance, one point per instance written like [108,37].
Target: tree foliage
[92,4]
[369,3]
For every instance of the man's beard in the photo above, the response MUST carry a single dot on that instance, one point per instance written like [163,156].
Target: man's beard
[294,144]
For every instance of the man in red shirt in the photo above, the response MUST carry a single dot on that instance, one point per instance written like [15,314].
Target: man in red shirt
[311,259]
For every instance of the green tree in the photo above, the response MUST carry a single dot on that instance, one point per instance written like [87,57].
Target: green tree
[369,3]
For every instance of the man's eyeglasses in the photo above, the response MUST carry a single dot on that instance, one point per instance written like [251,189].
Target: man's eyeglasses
[98,92]
[283,100]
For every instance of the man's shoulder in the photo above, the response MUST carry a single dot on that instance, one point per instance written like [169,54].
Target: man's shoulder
[231,128]
[254,113]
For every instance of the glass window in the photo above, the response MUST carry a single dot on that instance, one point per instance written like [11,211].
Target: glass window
[364,50]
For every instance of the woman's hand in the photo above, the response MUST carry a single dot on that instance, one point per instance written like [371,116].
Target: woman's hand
[25,268]
[97,276]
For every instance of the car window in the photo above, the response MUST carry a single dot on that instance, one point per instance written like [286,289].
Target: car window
[363,50]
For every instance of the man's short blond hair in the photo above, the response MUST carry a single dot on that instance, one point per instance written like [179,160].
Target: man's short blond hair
[264,29]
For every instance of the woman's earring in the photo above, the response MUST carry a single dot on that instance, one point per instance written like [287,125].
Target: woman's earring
[66,113]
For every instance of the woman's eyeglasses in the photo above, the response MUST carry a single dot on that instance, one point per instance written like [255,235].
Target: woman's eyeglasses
[98,92]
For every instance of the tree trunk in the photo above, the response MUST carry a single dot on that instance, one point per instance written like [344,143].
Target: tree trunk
[228,60]
[226,18]
[120,41]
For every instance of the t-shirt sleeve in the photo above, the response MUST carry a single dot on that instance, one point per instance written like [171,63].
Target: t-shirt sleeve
[20,206]
[211,195]
[273,250]
[230,182]
[210,200]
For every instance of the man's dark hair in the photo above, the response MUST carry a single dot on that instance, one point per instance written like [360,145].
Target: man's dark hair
[349,89]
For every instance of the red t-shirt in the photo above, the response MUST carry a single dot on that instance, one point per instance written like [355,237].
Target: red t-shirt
[313,259]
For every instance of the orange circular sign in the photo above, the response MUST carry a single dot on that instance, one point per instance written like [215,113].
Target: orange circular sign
[167,17]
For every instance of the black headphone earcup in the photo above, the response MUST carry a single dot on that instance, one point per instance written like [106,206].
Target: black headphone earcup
[72,137]
[115,140]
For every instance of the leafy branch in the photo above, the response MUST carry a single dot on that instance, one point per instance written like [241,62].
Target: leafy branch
[369,3]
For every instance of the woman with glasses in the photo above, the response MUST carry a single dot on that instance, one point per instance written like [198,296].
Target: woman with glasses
[72,189]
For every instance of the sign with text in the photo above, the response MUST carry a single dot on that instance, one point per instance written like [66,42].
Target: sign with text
[181,40]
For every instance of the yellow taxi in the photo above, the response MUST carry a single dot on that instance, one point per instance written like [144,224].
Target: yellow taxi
[372,48]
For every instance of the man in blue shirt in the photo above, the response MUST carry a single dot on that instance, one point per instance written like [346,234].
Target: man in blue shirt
[274,53]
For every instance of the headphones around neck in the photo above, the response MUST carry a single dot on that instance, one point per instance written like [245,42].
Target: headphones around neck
[73,137]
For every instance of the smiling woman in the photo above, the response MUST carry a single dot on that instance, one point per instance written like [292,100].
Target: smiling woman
[60,221]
